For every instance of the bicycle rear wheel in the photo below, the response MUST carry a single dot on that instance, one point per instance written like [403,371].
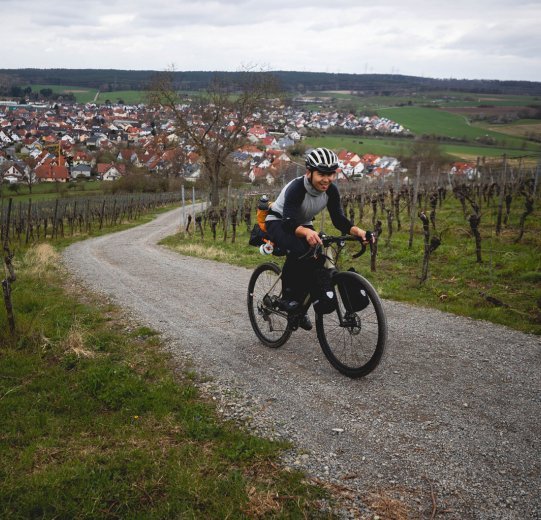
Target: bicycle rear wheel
[353,341]
[264,290]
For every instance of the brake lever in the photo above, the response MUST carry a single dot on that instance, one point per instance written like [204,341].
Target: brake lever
[369,237]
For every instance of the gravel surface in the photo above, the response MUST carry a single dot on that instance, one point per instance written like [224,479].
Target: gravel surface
[448,423]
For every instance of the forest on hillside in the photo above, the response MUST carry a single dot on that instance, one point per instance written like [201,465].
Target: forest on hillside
[109,80]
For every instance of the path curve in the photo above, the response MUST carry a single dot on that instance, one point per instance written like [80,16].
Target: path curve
[451,416]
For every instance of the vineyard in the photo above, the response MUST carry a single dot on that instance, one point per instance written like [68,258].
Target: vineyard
[468,247]
[27,222]
[471,247]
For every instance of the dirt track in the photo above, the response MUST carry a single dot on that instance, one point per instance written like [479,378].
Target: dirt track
[451,416]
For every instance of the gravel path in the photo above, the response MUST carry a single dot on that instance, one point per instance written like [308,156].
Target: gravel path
[449,422]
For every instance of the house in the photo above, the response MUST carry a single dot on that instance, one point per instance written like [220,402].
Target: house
[52,172]
[82,157]
[269,142]
[108,172]
[81,171]
[348,157]
[126,154]
[4,138]
[16,172]
[464,169]
[285,142]
[257,131]
[260,175]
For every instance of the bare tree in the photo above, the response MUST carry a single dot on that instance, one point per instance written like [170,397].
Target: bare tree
[214,123]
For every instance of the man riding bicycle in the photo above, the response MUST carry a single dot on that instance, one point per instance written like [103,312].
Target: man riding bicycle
[289,225]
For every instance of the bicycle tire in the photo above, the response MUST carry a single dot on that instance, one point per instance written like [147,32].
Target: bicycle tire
[270,325]
[357,349]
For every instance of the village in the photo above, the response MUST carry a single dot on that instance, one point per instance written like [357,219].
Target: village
[67,142]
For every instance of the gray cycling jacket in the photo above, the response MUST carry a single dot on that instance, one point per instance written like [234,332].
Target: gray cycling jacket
[299,202]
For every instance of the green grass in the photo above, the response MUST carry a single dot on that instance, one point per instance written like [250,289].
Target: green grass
[82,94]
[509,272]
[429,121]
[88,95]
[436,98]
[129,97]
[398,147]
[97,421]
[51,190]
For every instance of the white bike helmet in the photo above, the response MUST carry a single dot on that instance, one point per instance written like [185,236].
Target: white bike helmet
[323,160]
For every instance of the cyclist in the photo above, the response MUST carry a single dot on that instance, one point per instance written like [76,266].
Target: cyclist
[290,227]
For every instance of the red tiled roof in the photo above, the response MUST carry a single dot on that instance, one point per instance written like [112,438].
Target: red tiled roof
[56,173]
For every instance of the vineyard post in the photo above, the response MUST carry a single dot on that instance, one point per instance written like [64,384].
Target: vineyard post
[28,224]
[53,233]
[87,216]
[374,246]
[503,180]
[413,211]
[19,225]
[183,212]
[426,255]
[479,181]
[10,273]
[73,216]
[193,207]
[102,213]
[536,178]
[227,210]
[389,226]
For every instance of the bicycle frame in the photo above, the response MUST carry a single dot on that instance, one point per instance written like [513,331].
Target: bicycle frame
[331,258]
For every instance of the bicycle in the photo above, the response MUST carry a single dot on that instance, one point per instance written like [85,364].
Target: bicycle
[353,337]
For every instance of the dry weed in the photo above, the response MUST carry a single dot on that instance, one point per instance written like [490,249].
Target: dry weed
[40,259]
[261,503]
[208,252]
[386,506]
[74,342]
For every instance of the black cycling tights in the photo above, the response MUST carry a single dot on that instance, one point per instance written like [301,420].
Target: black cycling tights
[297,273]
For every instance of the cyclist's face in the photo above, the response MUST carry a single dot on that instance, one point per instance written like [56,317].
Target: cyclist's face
[321,181]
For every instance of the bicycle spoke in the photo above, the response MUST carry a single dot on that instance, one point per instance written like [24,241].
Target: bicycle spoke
[268,323]
[354,341]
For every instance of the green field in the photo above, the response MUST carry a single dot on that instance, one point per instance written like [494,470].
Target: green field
[86,95]
[82,94]
[429,121]
[437,99]
[396,147]
[51,190]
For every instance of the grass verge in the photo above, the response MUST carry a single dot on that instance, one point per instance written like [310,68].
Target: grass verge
[97,421]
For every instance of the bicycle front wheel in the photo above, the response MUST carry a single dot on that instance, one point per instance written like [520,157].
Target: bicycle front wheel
[264,291]
[353,340]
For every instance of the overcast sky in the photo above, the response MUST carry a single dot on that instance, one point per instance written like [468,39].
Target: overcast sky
[474,39]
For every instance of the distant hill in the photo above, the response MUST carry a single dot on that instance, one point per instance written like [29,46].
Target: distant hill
[370,84]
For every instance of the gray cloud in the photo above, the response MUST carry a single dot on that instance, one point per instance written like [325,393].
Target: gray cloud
[483,38]
[509,39]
